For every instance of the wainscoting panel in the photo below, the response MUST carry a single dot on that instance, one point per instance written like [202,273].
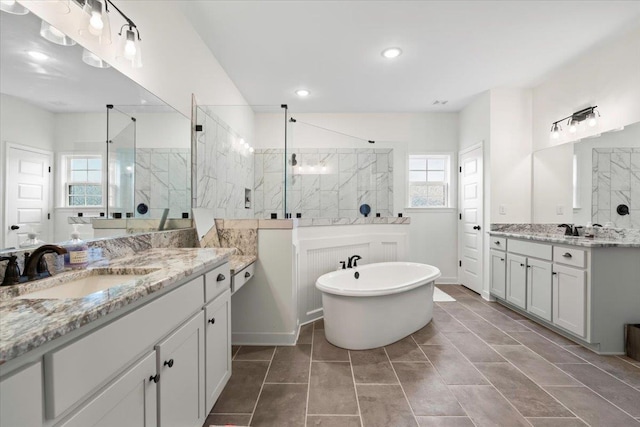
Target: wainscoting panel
[319,256]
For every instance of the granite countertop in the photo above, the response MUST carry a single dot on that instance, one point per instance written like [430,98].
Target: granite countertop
[26,324]
[240,262]
[313,222]
[570,240]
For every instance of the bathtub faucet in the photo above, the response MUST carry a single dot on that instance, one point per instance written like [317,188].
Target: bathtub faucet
[353,261]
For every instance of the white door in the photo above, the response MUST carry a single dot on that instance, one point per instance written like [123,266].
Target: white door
[27,198]
[470,223]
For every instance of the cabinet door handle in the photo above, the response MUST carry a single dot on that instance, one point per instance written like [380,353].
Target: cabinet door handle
[476,227]
[247,274]
[497,242]
[528,266]
[554,274]
[155,378]
[220,277]
[212,320]
[169,363]
[521,265]
[566,255]
[502,259]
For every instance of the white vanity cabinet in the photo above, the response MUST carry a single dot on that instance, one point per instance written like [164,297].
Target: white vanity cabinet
[498,271]
[517,280]
[129,401]
[570,299]
[539,288]
[158,363]
[181,368]
[21,398]
[586,293]
[218,347]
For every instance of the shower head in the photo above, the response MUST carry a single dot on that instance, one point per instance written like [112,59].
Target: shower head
[293,159]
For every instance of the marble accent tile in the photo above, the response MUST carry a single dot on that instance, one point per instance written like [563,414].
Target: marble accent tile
[329,182]
[635,160]
[348,163]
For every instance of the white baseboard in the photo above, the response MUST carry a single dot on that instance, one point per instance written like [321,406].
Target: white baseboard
[487,296]
[447,281]
[264,338]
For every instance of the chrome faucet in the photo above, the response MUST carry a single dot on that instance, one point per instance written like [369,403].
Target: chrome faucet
[353,261]
[35,266]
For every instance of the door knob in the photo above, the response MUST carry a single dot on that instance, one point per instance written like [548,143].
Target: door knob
[155,378]
[476,227]
[15,227]
[169,363]
[212,320]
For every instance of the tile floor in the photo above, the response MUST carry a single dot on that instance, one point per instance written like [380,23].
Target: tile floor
[477,363]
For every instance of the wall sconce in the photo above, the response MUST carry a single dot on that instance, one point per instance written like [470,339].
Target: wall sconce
[590,114]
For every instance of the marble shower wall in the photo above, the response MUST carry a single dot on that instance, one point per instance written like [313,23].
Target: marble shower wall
[163,180]
[325,183]
[225,169]
[616,180]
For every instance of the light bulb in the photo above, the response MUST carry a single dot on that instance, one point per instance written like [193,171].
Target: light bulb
[313,168]
[251,150]
[573,128]
[130,49]
[324,168]
[96,24]
[555,134]
[591,119]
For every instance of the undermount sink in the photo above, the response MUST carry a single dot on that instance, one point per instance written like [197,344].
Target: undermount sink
[90,281]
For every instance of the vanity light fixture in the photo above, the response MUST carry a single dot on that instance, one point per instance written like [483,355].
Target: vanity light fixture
[392,52]
[94,60]
[54,35]
[251,150]
[95,21]
[13,7]
[302,93]
[590,114]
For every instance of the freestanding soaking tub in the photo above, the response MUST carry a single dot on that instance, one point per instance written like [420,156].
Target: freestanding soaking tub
[376,304]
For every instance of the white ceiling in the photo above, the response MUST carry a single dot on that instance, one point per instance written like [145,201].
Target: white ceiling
[453,50]
[62,83]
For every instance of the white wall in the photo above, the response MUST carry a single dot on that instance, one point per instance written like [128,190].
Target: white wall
[24,124]
[607,76]
[510,147]
[552,189]
[432,232]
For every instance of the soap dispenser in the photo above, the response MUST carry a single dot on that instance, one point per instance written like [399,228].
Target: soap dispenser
[32,241]
[588,230]
[77,255]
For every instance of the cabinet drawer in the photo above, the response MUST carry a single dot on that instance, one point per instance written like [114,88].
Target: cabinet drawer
[217,281]
[536,250]
[499,243]
[570,256]
[106,351]
[239,279]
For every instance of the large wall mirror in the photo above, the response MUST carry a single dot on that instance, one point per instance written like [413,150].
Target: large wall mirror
[592,180]
[54,114]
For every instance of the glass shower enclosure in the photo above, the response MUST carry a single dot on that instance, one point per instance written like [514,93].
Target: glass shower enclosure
[120,160]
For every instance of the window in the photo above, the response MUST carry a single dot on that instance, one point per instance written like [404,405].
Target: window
[83,181]
[429,180]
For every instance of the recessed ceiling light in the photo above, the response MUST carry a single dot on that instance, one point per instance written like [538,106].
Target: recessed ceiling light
[38,56]
[392,52]
[303,92]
